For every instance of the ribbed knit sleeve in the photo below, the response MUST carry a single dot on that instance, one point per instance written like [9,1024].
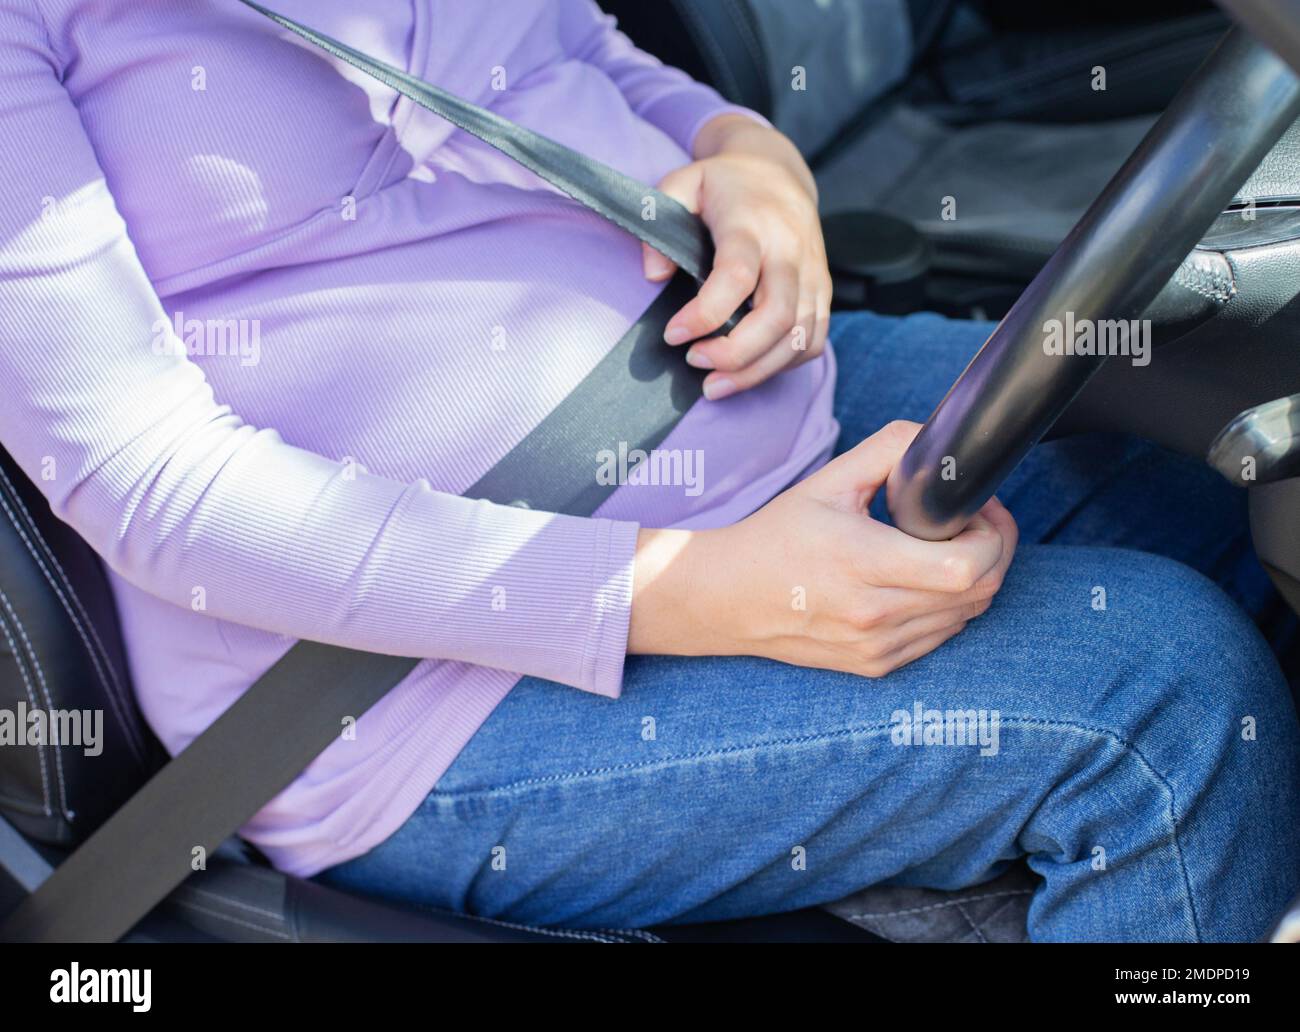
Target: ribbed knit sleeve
[665,97]
[189,502]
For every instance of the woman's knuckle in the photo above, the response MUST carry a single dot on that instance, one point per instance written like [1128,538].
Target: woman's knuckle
[737,272]
[868,615]
[784,316]
[960,573]
[722,353]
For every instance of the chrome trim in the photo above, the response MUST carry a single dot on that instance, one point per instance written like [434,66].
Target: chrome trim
[1269,434]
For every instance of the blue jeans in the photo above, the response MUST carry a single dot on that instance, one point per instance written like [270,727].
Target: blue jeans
[1132,736]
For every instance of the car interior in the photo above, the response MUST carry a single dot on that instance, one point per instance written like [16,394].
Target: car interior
[1123,161]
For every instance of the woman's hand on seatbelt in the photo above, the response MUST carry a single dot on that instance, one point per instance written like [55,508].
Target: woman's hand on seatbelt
[757,196]
[813,580]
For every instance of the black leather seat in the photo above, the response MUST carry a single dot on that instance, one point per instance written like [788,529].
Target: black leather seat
[60,648]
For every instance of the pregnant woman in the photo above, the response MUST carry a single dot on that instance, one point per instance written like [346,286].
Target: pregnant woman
[264,320]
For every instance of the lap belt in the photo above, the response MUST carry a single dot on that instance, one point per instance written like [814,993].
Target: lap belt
[637,394]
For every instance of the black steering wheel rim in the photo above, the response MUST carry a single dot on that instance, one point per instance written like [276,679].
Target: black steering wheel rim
[1111,266]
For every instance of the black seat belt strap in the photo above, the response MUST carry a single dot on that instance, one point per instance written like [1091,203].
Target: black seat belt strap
[294,711]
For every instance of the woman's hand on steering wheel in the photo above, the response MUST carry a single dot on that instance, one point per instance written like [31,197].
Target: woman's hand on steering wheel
[757,196]
[813,580]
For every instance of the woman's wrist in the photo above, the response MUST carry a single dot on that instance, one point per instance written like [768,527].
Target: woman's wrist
[731,133]
[673,581]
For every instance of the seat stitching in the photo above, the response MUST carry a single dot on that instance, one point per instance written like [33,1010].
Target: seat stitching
[998,909]
[636,933]
[234,902]
[221,916]
[110,681]
[973,926]
[89,626]
[559,933]
[45,691]
[22,671]
[107,673]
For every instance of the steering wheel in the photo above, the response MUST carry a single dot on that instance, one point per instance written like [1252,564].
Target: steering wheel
[1111,266]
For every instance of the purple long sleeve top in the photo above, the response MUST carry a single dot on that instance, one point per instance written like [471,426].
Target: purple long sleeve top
[263,319]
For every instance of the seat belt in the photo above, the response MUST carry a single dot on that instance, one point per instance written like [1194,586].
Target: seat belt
[294,711]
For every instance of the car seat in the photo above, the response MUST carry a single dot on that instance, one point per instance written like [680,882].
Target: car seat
[976,122]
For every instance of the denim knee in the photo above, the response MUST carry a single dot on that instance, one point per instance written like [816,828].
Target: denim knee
[1153,654]
[1204,701]
[1195,661]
